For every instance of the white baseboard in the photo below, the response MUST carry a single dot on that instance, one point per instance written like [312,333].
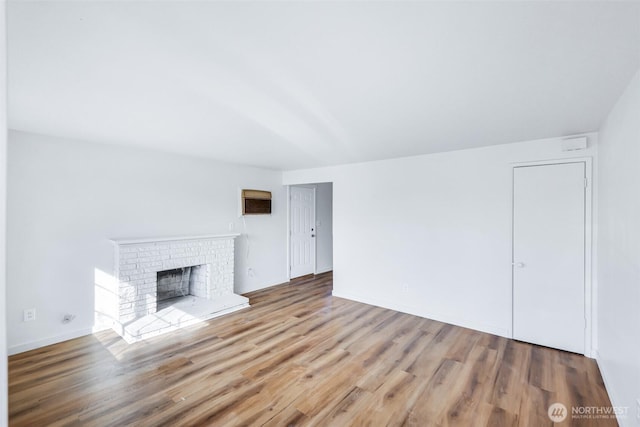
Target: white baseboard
[261,286]
[324,270]
[21,348]
[465,323]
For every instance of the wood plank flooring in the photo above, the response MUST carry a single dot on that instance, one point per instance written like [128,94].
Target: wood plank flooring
[300,356]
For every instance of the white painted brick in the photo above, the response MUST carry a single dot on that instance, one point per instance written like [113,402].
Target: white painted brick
[137,276]
[128,255]
[127,267]
[128,293]
[139,264]
[124,318]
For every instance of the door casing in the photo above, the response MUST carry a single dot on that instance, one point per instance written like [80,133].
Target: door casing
[289,224]
[589,290]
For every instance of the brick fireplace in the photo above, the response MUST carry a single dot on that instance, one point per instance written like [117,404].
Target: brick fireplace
[209,261]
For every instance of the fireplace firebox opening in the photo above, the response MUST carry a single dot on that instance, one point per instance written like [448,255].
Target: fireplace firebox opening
[179,283]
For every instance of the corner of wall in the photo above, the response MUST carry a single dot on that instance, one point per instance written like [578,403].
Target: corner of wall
[3,217]
[617,268]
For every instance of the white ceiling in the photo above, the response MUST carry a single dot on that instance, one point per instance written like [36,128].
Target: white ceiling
[289,85]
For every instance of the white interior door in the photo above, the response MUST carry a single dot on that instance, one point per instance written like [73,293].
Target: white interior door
[549,255]
[303,231]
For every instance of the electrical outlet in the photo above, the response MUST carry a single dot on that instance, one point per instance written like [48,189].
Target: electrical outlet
[232,226]
[29,314]
[250,272]
[405,287]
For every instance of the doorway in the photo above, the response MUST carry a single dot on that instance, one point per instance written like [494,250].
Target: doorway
[310,232]
[549,254]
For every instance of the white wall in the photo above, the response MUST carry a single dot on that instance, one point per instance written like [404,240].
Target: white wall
[324,227]
[619,252]
[3,199]
[430,235]
[66,199]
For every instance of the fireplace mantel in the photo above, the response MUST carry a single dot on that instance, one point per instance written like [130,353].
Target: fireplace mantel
[133,241]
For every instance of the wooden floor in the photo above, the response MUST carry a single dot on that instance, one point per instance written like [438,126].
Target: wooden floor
[302,357]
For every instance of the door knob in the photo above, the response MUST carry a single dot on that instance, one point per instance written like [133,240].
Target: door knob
[519,264]
[313,235]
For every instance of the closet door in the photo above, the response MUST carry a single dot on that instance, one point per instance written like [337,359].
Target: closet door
[549,255]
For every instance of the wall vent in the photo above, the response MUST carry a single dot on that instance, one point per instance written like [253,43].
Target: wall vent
[256,202]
